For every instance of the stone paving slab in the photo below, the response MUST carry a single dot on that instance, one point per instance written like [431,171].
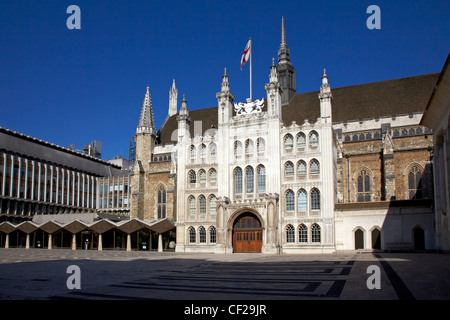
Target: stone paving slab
[37,274]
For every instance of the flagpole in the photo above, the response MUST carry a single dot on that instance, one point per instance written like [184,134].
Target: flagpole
[251,69]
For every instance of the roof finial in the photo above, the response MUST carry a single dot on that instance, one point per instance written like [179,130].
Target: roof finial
[273,61]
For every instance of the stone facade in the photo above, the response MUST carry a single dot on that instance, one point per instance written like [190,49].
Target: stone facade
[292,173]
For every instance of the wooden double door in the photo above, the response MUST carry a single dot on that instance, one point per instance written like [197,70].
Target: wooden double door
[247,234]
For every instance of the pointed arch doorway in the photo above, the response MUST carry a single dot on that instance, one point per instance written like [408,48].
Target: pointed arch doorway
[247,233]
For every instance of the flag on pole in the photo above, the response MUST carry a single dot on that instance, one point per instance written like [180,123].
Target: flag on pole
[246,54]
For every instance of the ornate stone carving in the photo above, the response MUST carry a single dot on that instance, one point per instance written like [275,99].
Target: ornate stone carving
[249,107]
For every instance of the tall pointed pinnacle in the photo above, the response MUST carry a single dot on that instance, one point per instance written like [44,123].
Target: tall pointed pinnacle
[146,120]
[283,52]
[325,89]
[173,99]
[225,86]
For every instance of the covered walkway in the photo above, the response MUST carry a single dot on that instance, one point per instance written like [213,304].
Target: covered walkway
[103,234]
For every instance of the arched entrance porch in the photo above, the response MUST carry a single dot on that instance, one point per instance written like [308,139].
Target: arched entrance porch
[247,233]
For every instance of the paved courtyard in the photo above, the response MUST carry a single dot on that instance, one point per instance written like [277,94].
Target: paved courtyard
[36,274]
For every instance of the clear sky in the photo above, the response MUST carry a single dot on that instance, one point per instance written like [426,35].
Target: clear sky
[75,86]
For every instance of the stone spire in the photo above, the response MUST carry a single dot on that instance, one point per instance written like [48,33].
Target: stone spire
[173,100]
[286,71]
[146,120]
[283,52]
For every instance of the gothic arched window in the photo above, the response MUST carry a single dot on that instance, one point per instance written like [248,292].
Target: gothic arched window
[202,151]
[192,177]
[202,176]
[302,233]
[249,147]
[202,204]
[212,204]
[288,142]
[290,234]
[192,206]
[212,176]
[192,151]
[238,181]
[314,167]
[290,201]
[302,200]
[260,145]
[237,148]
[161,203]
[313,139]
[261,171]
[212,150]
[301,168]
[363,186]
[415,183]
[249,179]
[191,232]
[289,169]
[301,140]
[202,235]
[315,233]
[212,235]
[315,199]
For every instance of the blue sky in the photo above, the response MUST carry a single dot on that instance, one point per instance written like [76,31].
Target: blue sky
[75,86]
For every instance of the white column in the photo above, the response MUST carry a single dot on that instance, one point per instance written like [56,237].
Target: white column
[51,184]
[107,194]
[45,181]
[160,243]
[73,188]
[92,191]
[11,178]
[49,241]
[74,242]
[4,175]
[128,242]
[100,242]
[68,187]
[39,182]
[19,175]
[78,189]
[57,185]
[63,176]
[25,192]
[82,191]
[33,163]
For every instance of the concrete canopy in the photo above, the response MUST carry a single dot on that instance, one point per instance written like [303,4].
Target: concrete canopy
[27,227]
[102,226]
[50,227]
[161,226]
[7,227]
[75,226]
[131,226]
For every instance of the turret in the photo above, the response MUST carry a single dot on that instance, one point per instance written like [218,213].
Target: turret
[225,100]
[325,98]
